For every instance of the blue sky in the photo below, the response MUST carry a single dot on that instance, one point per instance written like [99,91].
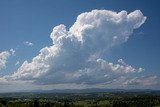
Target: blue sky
[31,21]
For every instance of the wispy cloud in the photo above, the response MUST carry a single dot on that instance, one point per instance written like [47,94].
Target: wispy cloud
[27,43]
[17,63]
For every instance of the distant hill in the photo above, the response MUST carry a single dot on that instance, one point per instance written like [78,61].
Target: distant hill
[84,93]
[91,90]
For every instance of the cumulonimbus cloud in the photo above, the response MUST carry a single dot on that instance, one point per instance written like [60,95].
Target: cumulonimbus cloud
[76,55]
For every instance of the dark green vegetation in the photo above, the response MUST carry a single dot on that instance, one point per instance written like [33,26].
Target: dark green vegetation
[96,99]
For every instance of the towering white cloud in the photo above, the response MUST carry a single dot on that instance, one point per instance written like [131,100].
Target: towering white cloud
[76,55]
[3,59]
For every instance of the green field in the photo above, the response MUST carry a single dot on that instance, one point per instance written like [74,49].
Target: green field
[99,99]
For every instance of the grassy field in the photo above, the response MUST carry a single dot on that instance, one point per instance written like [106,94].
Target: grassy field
[100,99]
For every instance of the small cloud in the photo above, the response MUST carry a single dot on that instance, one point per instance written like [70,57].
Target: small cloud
[27,43]
[141,69]
[121,61]
[4,56]
[12,51]
[17,63]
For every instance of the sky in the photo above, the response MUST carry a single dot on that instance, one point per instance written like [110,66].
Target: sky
[68,44]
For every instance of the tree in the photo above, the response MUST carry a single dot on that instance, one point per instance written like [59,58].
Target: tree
[36,103]
[119,104]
